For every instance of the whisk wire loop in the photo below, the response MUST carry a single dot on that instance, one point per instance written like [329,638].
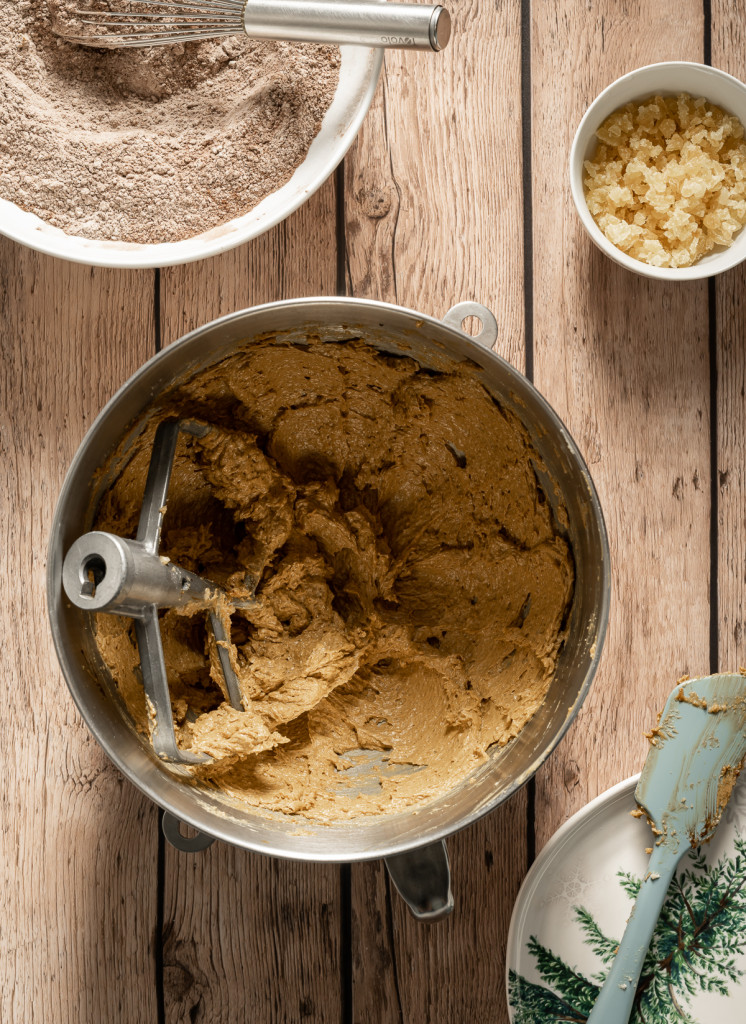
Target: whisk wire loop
[162,22]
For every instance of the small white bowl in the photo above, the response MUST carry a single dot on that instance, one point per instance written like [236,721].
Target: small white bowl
[358,75]
[665,79]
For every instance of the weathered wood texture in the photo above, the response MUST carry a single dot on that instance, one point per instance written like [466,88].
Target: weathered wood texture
[729,53]
[625,363]
[295,259]
[433,192]
[246,938]
[433,216]
[78,850]
[407,972]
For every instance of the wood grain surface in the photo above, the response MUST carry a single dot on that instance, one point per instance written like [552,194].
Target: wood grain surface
[78,850]
[245,937]
[625,362]
[728,302]
[434,216]
[455,189]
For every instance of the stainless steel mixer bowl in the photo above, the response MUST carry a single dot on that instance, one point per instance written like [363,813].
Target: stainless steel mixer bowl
[435,344]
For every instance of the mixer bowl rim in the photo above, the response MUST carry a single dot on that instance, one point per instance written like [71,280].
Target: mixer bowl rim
[306,308]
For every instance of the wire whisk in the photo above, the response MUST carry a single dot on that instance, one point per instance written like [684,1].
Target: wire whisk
[142,23]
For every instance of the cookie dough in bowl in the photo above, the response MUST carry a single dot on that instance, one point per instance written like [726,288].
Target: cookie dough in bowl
[427,556]
[413,582]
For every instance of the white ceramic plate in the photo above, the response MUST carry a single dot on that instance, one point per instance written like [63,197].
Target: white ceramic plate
[358,76]
[573,906]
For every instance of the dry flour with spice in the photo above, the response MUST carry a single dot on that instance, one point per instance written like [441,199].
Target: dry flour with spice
[150,145]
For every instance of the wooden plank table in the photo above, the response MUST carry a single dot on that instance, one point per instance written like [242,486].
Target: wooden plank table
[456,189]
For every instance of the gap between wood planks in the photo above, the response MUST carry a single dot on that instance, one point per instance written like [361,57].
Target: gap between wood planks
[528,286]
[712,341]
[345,872]
[160,990]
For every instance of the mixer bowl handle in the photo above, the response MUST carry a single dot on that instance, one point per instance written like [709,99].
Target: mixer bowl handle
[423,880]
[171,827]
[457,314]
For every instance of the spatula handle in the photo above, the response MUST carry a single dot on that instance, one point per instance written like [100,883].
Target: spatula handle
[615,1001]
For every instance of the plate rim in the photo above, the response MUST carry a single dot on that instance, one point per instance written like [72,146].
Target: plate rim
[558,838]
[622,791]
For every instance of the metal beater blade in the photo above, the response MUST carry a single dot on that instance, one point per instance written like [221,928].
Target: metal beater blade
[103,572]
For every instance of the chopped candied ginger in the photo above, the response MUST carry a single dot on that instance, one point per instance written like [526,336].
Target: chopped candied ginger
[667,182]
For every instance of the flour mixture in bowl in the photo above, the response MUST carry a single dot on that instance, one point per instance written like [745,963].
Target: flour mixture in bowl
[153,145]
[413,581]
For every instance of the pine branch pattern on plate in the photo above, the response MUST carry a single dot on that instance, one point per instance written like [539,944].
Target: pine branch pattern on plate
[697,949]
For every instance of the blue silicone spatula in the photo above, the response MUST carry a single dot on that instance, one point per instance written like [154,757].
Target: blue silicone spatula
[696,752]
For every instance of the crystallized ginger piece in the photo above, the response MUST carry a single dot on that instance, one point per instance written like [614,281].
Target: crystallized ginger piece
[667,182]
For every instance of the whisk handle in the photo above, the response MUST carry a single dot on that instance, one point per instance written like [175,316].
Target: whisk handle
[349,22]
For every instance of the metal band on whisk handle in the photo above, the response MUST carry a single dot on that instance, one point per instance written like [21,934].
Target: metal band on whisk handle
[354,22]
[103,572]
[341,22]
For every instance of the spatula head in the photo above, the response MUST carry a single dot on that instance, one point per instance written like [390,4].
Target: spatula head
[696,752]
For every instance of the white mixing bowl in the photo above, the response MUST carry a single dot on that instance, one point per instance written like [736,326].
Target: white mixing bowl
[358,76]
